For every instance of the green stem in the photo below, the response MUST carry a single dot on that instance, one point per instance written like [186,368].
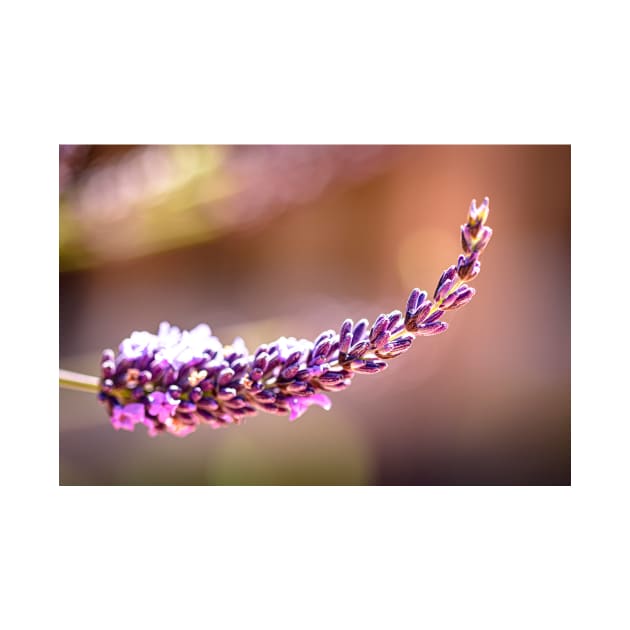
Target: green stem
[80,382]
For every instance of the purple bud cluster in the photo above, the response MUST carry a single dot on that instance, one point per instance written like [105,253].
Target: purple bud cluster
[176,380]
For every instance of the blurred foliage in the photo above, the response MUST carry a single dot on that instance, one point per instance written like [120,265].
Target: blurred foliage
[124,202]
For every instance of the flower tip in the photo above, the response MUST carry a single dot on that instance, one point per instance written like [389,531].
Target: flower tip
[484,209]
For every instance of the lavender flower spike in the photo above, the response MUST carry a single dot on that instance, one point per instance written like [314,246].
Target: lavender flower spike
[174,381]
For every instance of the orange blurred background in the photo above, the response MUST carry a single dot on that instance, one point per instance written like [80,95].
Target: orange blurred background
[264,241]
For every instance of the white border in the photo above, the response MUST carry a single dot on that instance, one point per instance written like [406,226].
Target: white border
[313,557]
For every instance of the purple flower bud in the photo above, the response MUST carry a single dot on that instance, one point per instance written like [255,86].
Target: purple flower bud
[169,376]
[346,328]
[484,210]
[473,227]
[482,240]
[261,348]
[442,291]
[466,239]
[379,326]
[344,344]
[320,353]
[248,410]
[107,385]
[423,311]
[370,366]
[237,402]
[404,341]
[359,331]
[239,366]
[256,374]
[334,351]
[296,386]
[108,368]
[337,387]
[226,375]
[252,386]
[123,363]
[303,374]
[206,385]
[294,357]
[274,362]
[433,317]
[208,403]
[311,372]
[290,371]
[382,339]
[359,349]
[396,347]
[448,301]
[309,390]
[261,361]
[412,304]
[463,298]
[108,355]
[182,380]
[145,377]
[272,408]
[327,334]
[225,418]
[463,266]
[205,415]
[393,320]
[469,267]
[157,369]
[331,378]
[447,276]
[265,396]
[226,393]
[186,406]
[434,328]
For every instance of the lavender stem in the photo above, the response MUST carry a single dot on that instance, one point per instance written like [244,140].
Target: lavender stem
[78,382]
[174,381]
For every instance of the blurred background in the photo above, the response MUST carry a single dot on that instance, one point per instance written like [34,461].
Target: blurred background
[264,241]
